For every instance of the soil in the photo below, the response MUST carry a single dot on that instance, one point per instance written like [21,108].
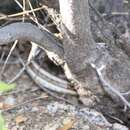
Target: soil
[49,113]
[43,114]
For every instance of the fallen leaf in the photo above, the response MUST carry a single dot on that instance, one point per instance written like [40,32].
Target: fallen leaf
[8,103]
[20,119]
[6,87]
[1,105]
[58,35]
[7,106]
[67,126]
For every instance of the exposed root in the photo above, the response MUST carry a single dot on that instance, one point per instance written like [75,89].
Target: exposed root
[34,45]
[57,96]
[18,31]
[29,32]
[46,81]
[62,82]
[54,50]
[49,85]
[85,96]
[110,87]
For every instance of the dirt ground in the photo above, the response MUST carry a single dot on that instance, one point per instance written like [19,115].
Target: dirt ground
[36,110]
[47,113]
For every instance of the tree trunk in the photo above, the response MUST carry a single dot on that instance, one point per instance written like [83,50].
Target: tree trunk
[78,41]
[111,65]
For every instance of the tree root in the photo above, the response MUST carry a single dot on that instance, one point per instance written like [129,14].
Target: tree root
[62,82]
[108,86]
[85,96]
[48,84]
[54,50]
[29,32]
[45,40]
[47,80]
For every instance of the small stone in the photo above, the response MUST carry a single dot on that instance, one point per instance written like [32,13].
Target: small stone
[35,109]
[52,108]
[20,119]
[117,126]
[10,100]
[51,127]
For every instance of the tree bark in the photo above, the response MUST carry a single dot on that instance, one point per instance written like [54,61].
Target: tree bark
[79,46]
[78,41]
[110,63]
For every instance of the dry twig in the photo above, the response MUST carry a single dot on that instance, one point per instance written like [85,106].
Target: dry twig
[107,85]
[13,47]
[20,13]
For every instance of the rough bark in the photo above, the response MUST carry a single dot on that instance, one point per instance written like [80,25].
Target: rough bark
[51,3]
[80,50]
[129,14]
[78,42]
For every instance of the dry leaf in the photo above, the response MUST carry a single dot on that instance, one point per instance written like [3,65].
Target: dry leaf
[7,106]
[20,119]
[1,105]
[58,35]
[67,126]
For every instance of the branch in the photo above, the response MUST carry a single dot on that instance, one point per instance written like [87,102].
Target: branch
[107,85]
